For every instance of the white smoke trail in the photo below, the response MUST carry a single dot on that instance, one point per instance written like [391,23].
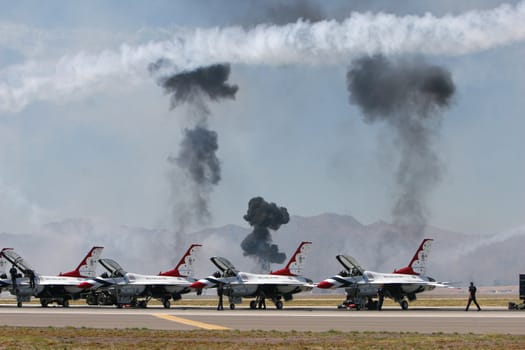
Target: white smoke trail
[325,42]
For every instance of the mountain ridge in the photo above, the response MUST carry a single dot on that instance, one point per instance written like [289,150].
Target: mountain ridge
[378,246]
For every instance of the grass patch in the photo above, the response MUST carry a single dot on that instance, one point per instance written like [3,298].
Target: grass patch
[87,338]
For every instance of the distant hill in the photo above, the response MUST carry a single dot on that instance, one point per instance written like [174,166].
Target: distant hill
[380,246]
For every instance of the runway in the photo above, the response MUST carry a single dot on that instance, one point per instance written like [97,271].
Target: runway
[446,320]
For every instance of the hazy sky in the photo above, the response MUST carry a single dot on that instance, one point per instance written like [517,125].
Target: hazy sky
[86,131]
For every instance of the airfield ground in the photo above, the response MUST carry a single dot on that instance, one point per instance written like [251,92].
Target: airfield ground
[434,321]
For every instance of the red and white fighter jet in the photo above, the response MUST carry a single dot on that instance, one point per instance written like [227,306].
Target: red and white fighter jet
[24,282]
[362,285]
[276,285]
[118,287]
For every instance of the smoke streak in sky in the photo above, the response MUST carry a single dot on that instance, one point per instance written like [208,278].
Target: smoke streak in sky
[407,95]
[264,216]
[197,158]
[324,42]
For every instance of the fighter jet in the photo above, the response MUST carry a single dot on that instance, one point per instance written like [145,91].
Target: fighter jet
[24,282]
[276,286]
[119,287]
[362,286]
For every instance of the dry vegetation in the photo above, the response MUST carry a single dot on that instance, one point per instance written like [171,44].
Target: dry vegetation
[86,338]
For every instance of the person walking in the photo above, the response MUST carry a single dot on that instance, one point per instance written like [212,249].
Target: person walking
[472,296]
[220,292]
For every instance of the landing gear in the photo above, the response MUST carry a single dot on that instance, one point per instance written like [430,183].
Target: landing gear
[19,304]
[404,304]
[253,304]
[104,299]
[166,303]
[44,302]
[65,303]
[91,299]
[232,306]
[279,304]
[142,304]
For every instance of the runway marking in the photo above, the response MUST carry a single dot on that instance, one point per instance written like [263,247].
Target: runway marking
[185,321]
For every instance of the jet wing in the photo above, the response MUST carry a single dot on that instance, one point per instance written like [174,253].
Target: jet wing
[158,281]
[395,279]
[60,281]
[350,264]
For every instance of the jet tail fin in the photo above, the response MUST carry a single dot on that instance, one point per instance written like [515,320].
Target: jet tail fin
[185,266]
[418,264]
[295,265]
[88,266]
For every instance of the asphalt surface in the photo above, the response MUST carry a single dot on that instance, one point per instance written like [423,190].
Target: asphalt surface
[424,320]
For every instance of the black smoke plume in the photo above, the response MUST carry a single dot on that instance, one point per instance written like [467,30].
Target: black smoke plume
[408,95]
[258,244]
[208,81]
[198,155]
[197,158]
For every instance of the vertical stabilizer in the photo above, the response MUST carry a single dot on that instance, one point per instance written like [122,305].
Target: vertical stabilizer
[295,265]
[418,264]
[88,265]
[185,266]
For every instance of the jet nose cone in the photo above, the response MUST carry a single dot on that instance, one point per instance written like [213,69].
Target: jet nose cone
[85,285]
[198,285]
[324,285]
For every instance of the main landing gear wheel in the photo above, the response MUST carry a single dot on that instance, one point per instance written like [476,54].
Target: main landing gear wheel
[65,303]
[279,304]
[404,304]
[19,304]
[232,306]
[44,303]
[166,303]
[253,304]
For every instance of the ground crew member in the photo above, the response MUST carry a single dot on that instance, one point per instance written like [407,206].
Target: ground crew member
[12,272]
[262,300]
[220,292]
[31,275]
[380,298]
[472,296]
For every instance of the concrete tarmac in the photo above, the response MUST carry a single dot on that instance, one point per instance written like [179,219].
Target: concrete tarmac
[423,320]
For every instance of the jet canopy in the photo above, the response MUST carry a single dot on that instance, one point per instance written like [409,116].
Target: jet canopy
[15,259]
[224,265]
[350,264]
[114,269]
